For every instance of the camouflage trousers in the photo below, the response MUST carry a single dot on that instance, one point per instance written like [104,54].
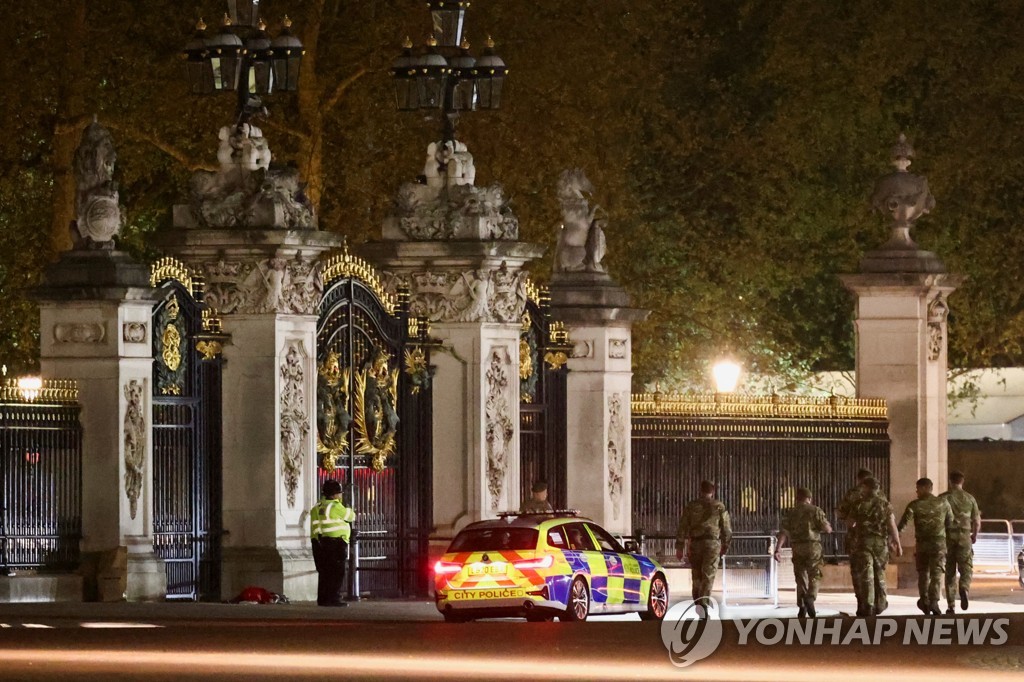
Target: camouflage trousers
[704,558]
[807,563]
[867,568]
[959,559]
[930,561]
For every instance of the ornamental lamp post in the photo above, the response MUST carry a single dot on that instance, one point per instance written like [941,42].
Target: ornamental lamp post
[726,373]
[242,58]
[444,75]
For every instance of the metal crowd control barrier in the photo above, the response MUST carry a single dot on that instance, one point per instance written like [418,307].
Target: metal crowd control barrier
[1017,529]
[994,549]
[749,571]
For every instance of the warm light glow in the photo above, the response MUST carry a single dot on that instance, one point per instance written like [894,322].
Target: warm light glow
[546,561]
[727,376]
[29,387]
[445,567]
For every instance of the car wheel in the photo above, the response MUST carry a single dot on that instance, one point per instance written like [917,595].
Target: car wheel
[657,600]
[578,608]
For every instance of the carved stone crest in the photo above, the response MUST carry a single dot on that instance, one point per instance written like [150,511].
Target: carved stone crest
[499,425]
[616,452]
[294,417]
[134,332]
[79,332]
[272,285]
[496,295]
[134,442]
[617,348]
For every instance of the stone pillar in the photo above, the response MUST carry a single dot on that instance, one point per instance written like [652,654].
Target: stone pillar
[455,247]
[94,310]
[599,316]
[902,294]
[266,287]
[474,294]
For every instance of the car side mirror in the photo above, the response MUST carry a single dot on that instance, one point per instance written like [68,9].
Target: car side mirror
[632,547]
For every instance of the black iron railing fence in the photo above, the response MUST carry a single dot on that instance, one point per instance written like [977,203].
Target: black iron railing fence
[759,450]
[40,476]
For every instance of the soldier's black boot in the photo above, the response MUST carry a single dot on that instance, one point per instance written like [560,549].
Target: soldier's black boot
[801,612]
[963,599]
[923,605]
[869,611]
[809,606]
[934,608]
[950,611]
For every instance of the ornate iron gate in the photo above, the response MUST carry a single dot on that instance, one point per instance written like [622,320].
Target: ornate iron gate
[186,434]
[758,449]
[374,425]
[543,353]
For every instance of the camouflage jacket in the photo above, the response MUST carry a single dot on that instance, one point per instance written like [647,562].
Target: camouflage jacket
[804,523]
[704,519]
[965,509]
[871,516]
[850,499]
[931,516]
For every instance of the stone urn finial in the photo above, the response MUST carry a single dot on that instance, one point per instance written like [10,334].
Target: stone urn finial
[902,195]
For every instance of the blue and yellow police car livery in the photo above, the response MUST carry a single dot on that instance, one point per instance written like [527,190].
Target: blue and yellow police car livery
[545,565]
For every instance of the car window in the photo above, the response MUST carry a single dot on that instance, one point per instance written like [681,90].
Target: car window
[557,538]
[578,537]
[605,539]
[494,539]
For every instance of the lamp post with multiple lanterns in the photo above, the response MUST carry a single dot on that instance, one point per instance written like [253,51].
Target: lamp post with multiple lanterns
[242,58]
[444,76]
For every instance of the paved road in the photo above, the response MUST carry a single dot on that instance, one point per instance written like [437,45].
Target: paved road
[406,640]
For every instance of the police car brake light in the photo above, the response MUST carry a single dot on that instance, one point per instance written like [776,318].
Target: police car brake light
[445,567]
[546,561]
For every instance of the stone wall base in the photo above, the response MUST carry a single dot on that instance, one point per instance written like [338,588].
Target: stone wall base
[119,575]
[289,572]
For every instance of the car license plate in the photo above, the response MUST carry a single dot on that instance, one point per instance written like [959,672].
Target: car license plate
[492,593]
[487,569]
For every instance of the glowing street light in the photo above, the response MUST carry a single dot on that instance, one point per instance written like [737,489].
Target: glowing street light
[30,387]
[727,375]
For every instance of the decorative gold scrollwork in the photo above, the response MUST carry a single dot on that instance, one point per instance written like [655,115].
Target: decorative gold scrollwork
[171,378]
[376,415]
[172,353]
[332,416]
[417,369]
[346,264]
[210,349]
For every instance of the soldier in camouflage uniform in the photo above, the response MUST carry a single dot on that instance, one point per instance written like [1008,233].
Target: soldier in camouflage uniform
[703,537]
[872,516]
[931,516]
[803,526]
[959,540]
[845,508]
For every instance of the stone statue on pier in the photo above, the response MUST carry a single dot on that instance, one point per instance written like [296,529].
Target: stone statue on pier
[97,202]
[246,192]
[581,241]
[446,204]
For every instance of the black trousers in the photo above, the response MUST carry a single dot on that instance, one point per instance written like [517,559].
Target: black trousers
[329,555]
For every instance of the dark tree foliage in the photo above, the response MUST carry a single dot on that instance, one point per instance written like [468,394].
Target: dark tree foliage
[734,144]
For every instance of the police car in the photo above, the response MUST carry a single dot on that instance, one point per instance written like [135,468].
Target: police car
[539,566]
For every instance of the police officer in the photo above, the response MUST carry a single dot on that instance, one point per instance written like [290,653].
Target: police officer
[329,532]
[803,527]
[703,537]
[931,516]
[960,540]
[872,516]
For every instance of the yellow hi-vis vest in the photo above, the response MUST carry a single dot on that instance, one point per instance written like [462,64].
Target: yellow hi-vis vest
[331,519]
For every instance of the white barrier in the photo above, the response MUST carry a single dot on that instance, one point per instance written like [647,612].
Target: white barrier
[753,575]
[994,549]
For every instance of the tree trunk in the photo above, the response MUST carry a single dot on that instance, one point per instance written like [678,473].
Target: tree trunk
[70,109]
